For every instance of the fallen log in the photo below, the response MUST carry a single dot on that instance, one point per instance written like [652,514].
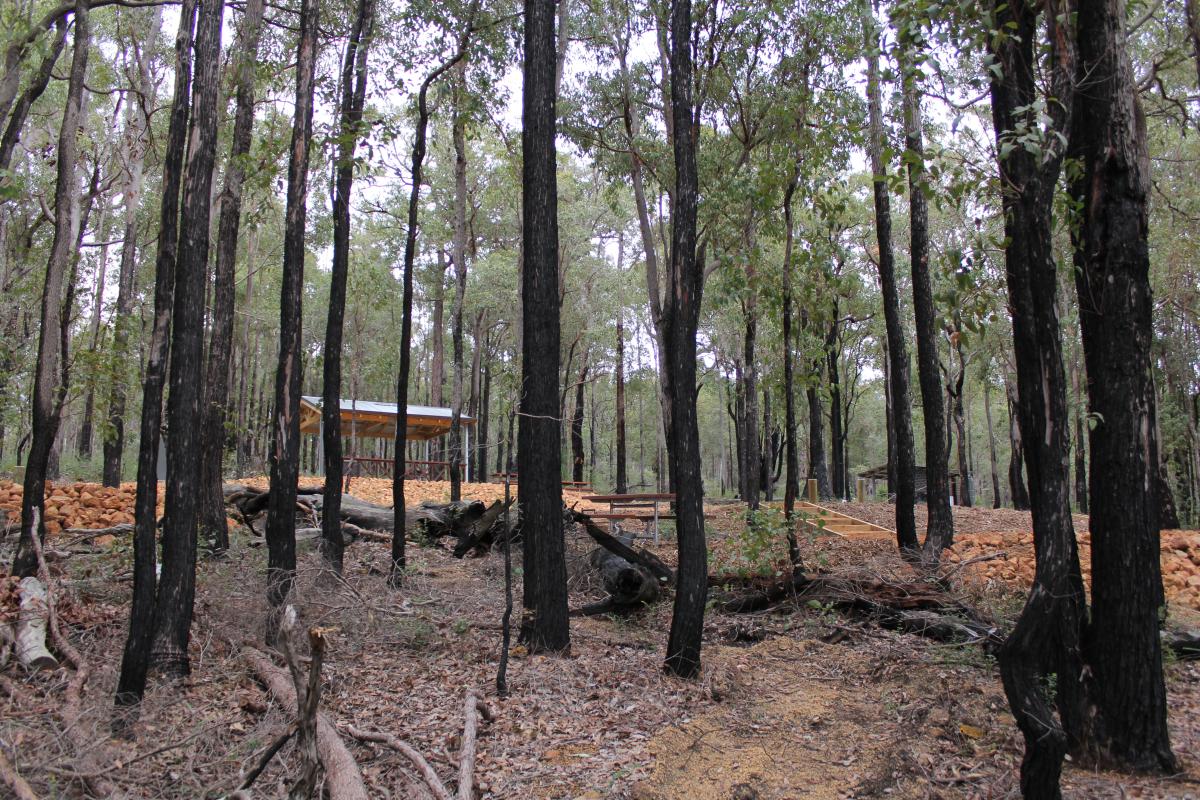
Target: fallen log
[1185,644]
[343,779]
[642,556]
[31,626]
[482,534]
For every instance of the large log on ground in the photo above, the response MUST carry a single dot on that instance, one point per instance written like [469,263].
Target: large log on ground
[629,585]
[31,627]
[624,550]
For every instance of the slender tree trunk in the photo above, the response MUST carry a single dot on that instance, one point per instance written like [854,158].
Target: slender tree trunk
[545,626]
[137,130]
[35,89]
[437,339]
[577,423]
[353,97]
[485,413]
[177,585]
[904,483]
[622,477]
[458,126]
[1016,450]
[1081,484]
[766,479]
[837,465]
[213,527]
[965,495]
[939,533]
[685,287]
[750,393]
[399,557]
[49,384]
[791,481]
[135,661]
[1112,280]
[86,433]
[987,411]
[285,417]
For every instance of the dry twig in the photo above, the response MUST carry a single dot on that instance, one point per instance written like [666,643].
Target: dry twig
[436,787]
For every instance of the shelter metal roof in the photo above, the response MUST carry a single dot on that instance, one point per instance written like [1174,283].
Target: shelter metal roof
[370,419]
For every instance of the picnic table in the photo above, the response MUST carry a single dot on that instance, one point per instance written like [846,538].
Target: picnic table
[627,506]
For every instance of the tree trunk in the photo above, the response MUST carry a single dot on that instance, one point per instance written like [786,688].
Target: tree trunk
[685,287]
[837,461]
[766,473]
[545,626]
[1081,483]
[137,130]
[437,339]
[966,496]
[791,481]
[1112,281]
[1016,450]
[35,89]
[285,422]
[353,97]
[750,391]
[818,464]
[459,129]
[622,478]
[136,657]
[939,533]
[485,413]
[987,411]
[1047,639]
[49,384]
[577,423]
[84,443]
[213,528]
[177,584]
[904,485]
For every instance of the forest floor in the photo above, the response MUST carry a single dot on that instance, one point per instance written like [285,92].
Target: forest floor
[800,701]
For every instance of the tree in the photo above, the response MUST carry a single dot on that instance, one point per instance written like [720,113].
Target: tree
[213,527]
[1048,637]
[135,660]
[50,383]
[177,583]
[458,125]
[681,311]
[1110,190]
[353,97]
[939,533]
[399,558]
[545,626]
[285,425]
[901,464]
[137,132]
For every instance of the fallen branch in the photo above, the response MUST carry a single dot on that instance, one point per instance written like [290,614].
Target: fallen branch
[466,757]
[20,787]
[343,778]
[266,757]
[427,773]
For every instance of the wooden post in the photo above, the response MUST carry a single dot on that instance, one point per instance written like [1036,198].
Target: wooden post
[813,496]
[860,492]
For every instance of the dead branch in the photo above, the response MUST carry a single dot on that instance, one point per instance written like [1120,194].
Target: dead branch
[427,773]
[343,778]
[20,787]
[308,696]
[266,757]
[466,758]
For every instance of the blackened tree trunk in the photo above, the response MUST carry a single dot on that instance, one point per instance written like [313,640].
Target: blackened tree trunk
[285,425]
[399,558]
[939,532]
[458,125]
[213,527]
[791,479]
[86,428]
[818,459]
[1016,450]
[485,411]
[185,429]
[437,338]
[622,478]
[545,625]
[987,411]
[577,423]
[753,454]
[135,660]
[1048,637]
[1081,482]
[49,386]
[681,311]
[767,450]
[837,440]
[353,97]
[1112,264]
[954,393]
[904,459]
